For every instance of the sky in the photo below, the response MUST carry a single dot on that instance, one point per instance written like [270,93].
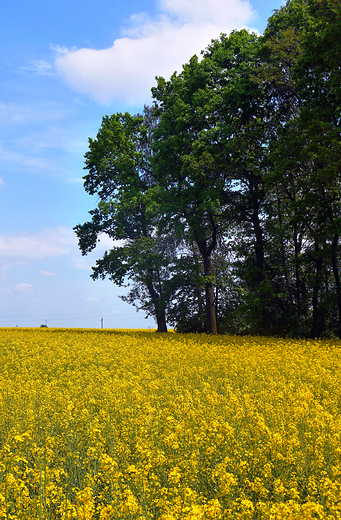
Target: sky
[63,66]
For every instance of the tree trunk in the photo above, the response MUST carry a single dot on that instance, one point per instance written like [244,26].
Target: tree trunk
[281,236]
[265,316]
[210,301]
[160,314]
[337,281]
[206,251]
[317,326]
[315,330]
[297,274]
[161,322]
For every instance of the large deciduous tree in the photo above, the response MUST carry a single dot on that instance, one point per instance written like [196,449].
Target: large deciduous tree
[190,186]
[211,154]
[120,173]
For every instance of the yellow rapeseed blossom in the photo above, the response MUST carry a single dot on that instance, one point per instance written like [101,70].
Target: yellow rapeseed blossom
[118,425]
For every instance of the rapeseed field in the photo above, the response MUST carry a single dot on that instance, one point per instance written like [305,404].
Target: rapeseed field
[137,425]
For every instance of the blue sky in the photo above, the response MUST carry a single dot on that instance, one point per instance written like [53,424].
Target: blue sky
[63,66]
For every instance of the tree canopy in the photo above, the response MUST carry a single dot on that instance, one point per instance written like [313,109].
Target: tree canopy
[223,198]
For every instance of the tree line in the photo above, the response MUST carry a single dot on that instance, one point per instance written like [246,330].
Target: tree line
[223,197]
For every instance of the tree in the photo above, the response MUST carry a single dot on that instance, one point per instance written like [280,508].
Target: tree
[224,198]
[186,309]
[209,152]
[189,192]
[306,148]
[121,174]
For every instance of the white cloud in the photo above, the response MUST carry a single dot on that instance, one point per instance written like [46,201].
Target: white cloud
[126,71]
[84,263]
[39,68]
[92,299]
[105,242]
[48,243]
[218,12]
[45,243]
[62,49]
[68,140]
[2,182]
[26,161]
[23,287]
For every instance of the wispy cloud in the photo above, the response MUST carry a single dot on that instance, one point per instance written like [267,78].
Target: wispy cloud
[84,263]
[149,47]
[23,288]
[48,147]
[26,161]
[33,131]
[48,243]
[39,68]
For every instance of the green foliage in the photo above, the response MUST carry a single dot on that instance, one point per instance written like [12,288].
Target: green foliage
[121,175]
[223,200]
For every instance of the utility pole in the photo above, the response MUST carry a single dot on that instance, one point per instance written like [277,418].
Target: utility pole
[102,322]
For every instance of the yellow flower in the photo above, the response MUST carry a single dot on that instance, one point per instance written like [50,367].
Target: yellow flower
[174,476]
[123,425]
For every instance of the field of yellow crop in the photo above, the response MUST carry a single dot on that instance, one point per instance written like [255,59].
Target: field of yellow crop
[137,425]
